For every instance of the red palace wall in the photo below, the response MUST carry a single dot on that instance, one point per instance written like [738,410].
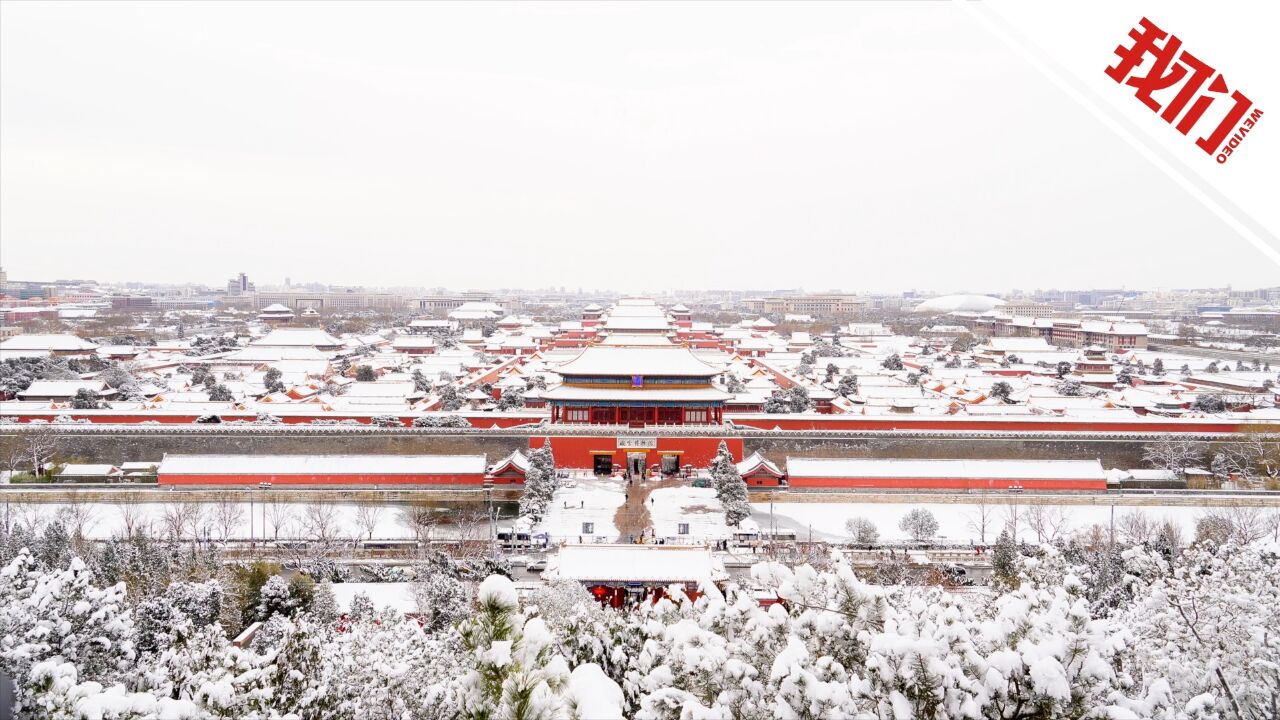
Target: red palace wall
[320,479]
[940,483]
[855,423]
[481,420]
[576,452]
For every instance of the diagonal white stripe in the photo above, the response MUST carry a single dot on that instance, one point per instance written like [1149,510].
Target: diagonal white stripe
[1179,177]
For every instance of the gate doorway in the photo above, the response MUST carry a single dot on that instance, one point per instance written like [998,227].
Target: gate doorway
[670,464]
[636,465]
[602,463]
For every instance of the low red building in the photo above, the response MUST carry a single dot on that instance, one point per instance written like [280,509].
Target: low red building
[758,471]
[250,470]
[946,474]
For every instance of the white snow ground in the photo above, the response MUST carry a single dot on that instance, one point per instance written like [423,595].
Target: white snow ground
[696,506]
[955,520]
[592,501]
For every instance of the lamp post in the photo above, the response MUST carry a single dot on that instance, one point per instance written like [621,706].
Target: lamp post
[1015,490]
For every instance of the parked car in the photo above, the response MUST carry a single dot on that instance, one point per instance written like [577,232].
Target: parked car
[537,566]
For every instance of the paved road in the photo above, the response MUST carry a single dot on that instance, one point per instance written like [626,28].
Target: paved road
[632,518]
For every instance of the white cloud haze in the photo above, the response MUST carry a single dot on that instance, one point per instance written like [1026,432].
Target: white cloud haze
[860,146]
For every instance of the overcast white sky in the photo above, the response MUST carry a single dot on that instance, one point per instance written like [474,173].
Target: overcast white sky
[862,146]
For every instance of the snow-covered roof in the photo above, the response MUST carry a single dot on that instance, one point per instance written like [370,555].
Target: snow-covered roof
[633,563]
[959,303]
[54,343]
[1018,344]
[297,337]
[637,340]
[322,464]
[71,470]
[413,342]
[971,469]
[636,323]
[516,460]
[275,308]
[60,388]
[647,361]
[756,462]
[569,393]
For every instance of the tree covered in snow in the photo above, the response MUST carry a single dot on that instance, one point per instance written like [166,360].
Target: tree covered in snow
[512,399]
[421,383]
[733,384]
[1001,391]
[441,598]
[85,399]
[893,362]
[540,482]
[847,386]
[798,399]
[51,618]
[862,531]
[1151,635]
[1205,633]
[920,524]
[731,489]
[1070,388]
[449,400]
[441,421]
[1004,561]
[220,393]
[1174,453]
[1211,402]
[539,488]
[518,674]
[366,373]
[271,380]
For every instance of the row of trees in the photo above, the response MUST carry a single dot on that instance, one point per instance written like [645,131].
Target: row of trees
[1065,636]
[1251,457]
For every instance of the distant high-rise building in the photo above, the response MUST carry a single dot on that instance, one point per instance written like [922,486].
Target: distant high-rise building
[240,285]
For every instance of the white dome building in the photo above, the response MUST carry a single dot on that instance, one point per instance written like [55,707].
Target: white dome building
[959,303]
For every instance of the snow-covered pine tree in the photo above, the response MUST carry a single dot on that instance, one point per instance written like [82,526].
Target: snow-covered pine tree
[441,599]
[1004,563]
[518,674]
[722,468]
[420,381]
[58,618]
[274,599]
[848,385]
[324,605]
[449,399]
[271,380]
[512,399]
[538,491]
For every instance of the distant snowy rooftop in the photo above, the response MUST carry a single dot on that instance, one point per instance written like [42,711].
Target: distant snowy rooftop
[57,343]
[959,303]
[647,361]
[974,469]
[322,464]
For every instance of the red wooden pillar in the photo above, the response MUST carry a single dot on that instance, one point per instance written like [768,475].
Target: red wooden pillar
[616,415]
